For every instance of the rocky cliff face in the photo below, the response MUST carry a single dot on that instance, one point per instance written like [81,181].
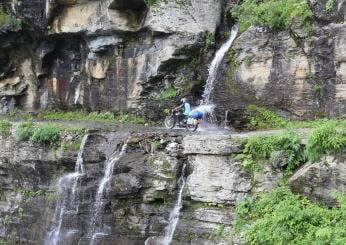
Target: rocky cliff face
[143,188]
[121,55]
[99,55]
[296,74]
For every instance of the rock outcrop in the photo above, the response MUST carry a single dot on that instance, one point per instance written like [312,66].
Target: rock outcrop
[143,187]
[297,74]
[321,181]
[99,55]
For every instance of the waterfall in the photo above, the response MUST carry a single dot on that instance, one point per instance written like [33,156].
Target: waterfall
[67,204]
[214,66]
[174,215]
[102,192]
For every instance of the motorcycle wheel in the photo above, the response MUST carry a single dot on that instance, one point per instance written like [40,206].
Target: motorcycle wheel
[169,122]
[191,127]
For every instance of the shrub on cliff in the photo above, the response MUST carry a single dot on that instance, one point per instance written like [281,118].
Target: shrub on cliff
[281,217]
[262,148]
[325,139]
[277,14]
[5,127]
[8,20]
[24,131]
[262,118]
[46,134]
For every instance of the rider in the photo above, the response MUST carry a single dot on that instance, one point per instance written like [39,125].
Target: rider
[186,109]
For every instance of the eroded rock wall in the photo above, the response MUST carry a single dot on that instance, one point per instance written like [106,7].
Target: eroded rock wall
[296,74]
[143,187]
[99,55]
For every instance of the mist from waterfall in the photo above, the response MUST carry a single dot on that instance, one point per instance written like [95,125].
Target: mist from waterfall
[67,205]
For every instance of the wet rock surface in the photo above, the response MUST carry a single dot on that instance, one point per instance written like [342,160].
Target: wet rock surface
[143,187]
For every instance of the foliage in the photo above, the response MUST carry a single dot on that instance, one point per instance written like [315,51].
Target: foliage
[168,93]
[150,2]
[92,116]
[230,80]
[8,20]
[262,148]
[277,14]
[74,145]
[325,139]
[208,41]
[5,127]
[329,6]
[262,118]
[25,130]
[46,134]
[281,217]
[77,115]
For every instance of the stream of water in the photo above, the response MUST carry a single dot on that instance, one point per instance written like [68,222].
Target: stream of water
[96,225]
[174,215]
[214,66]
[67,204]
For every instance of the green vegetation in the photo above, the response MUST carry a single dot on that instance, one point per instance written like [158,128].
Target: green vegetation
[281,217]
[5,127]
[325,139]
[49,134]
[25,130]
[259,148]
[150,2]
[46,134]
[329,6]
[262,118]
[74,145]
[30,193]
[168,93]
[8,20]
[76,115]
[233,64]
[277,14]
[208,41]
[92,116]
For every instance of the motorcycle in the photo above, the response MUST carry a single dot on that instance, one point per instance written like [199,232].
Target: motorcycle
[190,124]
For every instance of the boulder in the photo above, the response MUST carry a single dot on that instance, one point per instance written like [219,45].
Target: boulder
[217,179]
[318,181]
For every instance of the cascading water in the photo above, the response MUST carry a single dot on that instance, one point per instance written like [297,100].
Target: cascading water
[67,204]
[214,66]
[174,215]
[96,225]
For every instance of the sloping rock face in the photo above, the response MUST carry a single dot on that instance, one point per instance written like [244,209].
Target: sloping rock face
[121,55]
[322,180]
[143,188]
[99,55]
[298,75]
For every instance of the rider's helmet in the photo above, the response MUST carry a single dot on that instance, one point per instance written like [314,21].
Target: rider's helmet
[183,100]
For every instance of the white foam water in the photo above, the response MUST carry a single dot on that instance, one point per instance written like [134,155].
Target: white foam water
[95,228]
[214,66]
[174,215]
[67,188]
